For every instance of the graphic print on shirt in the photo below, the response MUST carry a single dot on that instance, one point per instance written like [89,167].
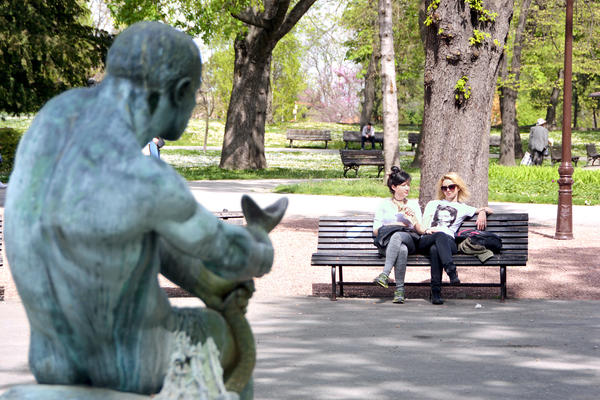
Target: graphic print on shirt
[444,216]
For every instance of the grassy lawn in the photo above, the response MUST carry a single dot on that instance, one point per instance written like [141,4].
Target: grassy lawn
[325,171]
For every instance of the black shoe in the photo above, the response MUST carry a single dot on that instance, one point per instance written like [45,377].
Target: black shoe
[435,297]
[454,278]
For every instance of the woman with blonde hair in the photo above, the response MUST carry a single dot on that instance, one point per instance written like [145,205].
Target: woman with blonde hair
[442,218]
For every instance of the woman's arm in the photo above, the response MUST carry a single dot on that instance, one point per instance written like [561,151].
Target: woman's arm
[482,214]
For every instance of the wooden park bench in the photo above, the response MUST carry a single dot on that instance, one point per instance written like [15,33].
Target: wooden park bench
[556,154]
[592,153]
[413,140]
[348,242]
[353,159]
[308,135]
[355,136]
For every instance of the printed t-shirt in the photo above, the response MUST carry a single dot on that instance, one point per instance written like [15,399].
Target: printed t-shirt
[446,215]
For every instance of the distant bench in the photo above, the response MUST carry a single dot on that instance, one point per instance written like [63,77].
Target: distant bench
[348,242]
[353,159]
[308,135]
[355,136]
[413,140]
[556,154]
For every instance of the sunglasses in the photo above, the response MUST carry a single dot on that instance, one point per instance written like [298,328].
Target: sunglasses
[449,187]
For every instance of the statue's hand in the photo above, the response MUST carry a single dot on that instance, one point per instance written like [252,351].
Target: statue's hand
[265,219]
[259,223]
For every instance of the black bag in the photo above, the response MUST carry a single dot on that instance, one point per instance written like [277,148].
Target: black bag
[486,239]
[385,232]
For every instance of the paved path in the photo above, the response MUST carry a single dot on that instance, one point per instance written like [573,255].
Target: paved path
[216,195]
[313,348]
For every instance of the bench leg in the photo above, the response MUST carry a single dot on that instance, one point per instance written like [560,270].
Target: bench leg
[503,283]
[333,298]
[341,283]
[291,143]
[378,172]
[326,144]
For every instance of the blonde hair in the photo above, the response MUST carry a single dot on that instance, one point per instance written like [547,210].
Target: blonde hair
[463,193]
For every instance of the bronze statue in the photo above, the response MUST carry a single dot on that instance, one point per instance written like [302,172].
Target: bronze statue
[90,222]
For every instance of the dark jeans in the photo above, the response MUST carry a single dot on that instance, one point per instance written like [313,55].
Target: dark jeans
[363,139]
[439,247]
[537,157]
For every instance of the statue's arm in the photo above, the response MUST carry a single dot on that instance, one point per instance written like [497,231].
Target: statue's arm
[230,251]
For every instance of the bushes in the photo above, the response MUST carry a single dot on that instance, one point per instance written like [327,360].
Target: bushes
[9,139]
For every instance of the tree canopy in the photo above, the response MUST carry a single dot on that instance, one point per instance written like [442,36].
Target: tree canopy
[45,48]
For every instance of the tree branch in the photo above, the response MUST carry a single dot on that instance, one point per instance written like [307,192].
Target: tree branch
[251,17]
[293,17]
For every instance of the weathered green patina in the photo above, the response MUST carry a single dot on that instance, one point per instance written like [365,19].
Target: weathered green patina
[90,222]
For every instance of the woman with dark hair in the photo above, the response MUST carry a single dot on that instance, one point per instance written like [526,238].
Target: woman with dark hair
[443,217]
[396,228]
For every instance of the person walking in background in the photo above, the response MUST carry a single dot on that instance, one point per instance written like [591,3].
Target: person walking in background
[442,218]
[538,141]
[396,228]
[368,133]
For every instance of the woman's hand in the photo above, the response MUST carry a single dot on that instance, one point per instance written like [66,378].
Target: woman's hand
[481,220]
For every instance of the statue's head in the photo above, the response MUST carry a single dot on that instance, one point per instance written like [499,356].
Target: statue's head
[166,63]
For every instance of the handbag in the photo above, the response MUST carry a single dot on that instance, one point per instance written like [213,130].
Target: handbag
[489,240]
[526,159]
[384,234]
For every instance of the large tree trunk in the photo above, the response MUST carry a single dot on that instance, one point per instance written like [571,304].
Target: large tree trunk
[388,86]
[554,97]
[510,126]
[244,141]
[456,122]
[369,92]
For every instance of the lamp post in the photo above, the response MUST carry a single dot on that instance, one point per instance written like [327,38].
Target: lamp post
[564,217]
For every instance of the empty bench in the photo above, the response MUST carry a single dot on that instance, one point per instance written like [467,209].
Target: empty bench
[355,136]
[308,135]
[353,159]
[348,242]
[556,154]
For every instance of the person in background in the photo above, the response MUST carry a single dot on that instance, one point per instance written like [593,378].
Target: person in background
[538,141]
[442,218]
[396,227]
[368,133]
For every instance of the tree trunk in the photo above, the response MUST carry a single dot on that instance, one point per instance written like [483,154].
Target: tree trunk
[460,81]
[369,92]
[510,126]
[554,97]
[388,86]
[244,141]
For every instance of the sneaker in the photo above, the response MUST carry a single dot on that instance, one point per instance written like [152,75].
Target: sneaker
[398,296]
[454,278]
[382,280]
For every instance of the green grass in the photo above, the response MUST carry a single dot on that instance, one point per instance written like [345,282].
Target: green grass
[536,185]
[513,184]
